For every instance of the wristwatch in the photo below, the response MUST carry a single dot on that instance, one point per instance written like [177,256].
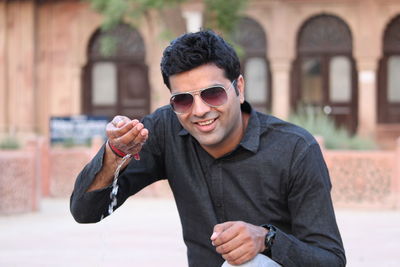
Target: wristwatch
[269,238]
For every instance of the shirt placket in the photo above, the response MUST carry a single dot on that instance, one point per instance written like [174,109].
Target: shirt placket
[217,190]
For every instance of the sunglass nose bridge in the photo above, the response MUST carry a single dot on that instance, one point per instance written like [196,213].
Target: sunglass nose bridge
[199,106]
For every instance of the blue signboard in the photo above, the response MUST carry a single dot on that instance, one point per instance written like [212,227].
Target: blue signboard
[77,129]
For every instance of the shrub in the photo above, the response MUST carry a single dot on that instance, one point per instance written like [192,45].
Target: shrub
[319,124]
[9,142]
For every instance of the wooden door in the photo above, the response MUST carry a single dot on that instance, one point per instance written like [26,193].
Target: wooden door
[134,90]
[324,73]
[389,75]
[116,83]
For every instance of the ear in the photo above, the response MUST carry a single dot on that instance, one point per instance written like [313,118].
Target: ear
[240,87]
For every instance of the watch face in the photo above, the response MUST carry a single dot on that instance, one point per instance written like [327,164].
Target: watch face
[269,238]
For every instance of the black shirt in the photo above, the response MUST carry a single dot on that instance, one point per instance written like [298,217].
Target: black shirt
[276,175]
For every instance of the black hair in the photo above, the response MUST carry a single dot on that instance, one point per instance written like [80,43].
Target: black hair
[192,50]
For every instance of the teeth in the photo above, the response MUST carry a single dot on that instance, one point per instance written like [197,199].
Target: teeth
[203,123]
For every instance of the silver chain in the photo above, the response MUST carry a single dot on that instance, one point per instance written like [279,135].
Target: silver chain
[114,190]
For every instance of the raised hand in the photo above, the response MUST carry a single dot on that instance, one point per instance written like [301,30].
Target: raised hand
[126,135]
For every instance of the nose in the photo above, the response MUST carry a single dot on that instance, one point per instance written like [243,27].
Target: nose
[199,108]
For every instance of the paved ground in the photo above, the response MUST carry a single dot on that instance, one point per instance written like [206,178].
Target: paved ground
[146,233]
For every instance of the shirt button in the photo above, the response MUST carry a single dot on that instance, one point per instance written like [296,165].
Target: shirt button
[219,205]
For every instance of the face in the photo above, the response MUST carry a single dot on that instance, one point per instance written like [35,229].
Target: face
[217,129]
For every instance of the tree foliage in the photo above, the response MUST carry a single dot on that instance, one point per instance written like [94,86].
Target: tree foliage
[220,15]
[116,11]
[223,15]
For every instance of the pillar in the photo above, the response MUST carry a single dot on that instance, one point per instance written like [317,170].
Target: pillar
[19,62]
[280,72]
[3,67]
[367,104]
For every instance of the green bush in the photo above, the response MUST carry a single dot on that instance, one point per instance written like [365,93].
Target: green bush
[9,142]
[72,143]
[319,124]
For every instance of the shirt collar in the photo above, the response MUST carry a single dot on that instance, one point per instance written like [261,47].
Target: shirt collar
[251,138]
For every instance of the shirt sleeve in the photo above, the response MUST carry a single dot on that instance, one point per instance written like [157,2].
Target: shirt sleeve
[315,239]
[91,207]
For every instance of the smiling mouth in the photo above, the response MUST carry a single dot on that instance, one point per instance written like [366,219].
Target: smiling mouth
[205,123]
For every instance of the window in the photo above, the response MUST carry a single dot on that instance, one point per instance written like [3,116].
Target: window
[388,75]
[393,79]
[251,38]
[116,83]
[340,79]
[104,80]
[323,75]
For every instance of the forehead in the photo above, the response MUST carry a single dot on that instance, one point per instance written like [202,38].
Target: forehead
[197,78]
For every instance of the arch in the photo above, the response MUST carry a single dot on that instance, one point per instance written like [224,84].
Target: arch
[324,33]
[116,83]
[388,78]
[250,35]
[391,37]
[129,44]
[251,38]
[323,74]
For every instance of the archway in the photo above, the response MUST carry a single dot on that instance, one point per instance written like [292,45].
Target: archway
[254,63]
[116,83]
[389,75]
[324,75]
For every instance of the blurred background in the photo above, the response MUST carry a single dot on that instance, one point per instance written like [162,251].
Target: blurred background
[68,66]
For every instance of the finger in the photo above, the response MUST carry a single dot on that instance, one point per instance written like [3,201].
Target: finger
[119,121]
[137,144]
[231,231]
[230,246]
[142,136]
[133,136]
[239,258]
[117,133]
[219,228]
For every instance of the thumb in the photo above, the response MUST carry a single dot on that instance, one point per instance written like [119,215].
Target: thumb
[219,228]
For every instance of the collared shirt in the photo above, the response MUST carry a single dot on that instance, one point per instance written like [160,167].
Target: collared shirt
[276,175]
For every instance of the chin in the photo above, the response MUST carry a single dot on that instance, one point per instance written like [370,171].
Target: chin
[207,141]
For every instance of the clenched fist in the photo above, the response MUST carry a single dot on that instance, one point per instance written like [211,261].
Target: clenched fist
[238,242]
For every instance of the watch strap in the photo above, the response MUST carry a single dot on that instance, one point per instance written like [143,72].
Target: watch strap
[269,238]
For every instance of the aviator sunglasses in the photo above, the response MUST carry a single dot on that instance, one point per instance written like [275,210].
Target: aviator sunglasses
[213,96]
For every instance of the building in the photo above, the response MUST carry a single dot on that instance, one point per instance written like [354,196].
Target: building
[340,56]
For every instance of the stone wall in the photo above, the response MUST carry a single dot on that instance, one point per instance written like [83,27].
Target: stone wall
[360,179]
[364,179]
[19,180]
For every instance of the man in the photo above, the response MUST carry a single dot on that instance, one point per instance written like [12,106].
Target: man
[249,188]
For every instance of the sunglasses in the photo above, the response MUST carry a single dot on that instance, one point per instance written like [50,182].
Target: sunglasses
[213,96]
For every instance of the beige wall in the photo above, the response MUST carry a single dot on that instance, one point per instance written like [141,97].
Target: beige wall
[366,19]
[43,50]
[3,87]
[64,29]
[17,86]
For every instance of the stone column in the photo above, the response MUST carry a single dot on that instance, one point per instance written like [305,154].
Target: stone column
[20,56]
[367,106]
[3,67]
[192,12]
[280,72]
[396,176]
[194,20]
[366,52]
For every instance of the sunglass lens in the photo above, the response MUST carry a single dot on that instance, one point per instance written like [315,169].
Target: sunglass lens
[181,102]
[214,96]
